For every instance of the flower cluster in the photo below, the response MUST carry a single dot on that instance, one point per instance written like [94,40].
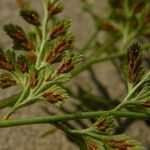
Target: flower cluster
[42,60]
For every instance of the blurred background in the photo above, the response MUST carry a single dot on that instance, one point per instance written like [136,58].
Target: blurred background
[101,79]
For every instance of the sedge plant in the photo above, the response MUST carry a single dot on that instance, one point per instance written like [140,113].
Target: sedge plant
[43,60]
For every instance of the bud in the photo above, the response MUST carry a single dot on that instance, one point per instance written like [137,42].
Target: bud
[31,17]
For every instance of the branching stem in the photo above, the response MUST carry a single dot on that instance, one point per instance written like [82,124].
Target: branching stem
[76,116]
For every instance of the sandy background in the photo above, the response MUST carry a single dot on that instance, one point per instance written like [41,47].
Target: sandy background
[29,137]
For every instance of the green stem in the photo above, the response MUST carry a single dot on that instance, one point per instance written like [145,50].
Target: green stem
[132,92]
[6,117]
[94,60]
[10,101]
[44,37]
[65,117]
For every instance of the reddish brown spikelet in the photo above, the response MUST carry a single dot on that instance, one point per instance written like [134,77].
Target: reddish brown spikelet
[134,62]
[6,82]
[62,45]
[5,63]
[57,31]
[27,45]
[52,97]
[18,36]
[119,144]
[53,9]
[31,17]
[15,32]
[102,125]
[33,80]
[66,67]
[6,66]
[58,50]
